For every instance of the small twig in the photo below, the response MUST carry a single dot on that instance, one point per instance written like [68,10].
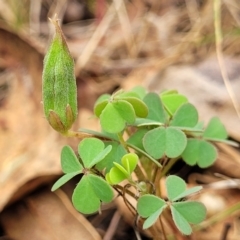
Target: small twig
[121,193]
[34,16]
[126,26]
[219,52]
[226,229]
[163,230]
[138,236]
[113,226]
[95,39]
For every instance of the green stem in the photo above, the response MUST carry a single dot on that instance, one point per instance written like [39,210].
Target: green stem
[144,153]
[122,142]
[140,175]
[138,170]
[168,166]
[154,174]
[221,216]
[126,190]
[80,135]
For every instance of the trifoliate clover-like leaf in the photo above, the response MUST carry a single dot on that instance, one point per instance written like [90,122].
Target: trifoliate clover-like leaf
[70,166]
[150,207]
[176,188]
[185,116]
[149,204]
[64,179]
[92,151]
[90,192]
[69,161]
[164,141]
[136,138]
[172,101]
[156,109]
[124,170]
[101,103]
[215,129]
[187,212]
[115,155]
[200,152]
[116,115]
[140,108]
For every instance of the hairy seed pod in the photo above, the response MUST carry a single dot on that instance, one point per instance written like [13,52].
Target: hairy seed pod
[59,84]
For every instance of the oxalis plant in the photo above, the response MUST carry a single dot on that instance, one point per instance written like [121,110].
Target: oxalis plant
[143,134]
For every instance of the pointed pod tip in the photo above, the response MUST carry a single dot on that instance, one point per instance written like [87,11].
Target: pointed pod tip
[55,21]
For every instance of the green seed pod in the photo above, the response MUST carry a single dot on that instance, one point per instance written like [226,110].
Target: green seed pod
[59,84]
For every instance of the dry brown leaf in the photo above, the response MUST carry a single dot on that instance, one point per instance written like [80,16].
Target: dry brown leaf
[29,148]
[45,216]
[23,51]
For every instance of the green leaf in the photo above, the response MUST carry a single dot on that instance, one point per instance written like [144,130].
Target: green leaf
[199,152]
[129,162]
[121,169]
[194,212]
[100,104]
[136,138]
[110,119]
[188,192]
[115,176]
[175,186]
[215,129]
[185,116]
[156,109]
[89,149]
[69,161]
[65,178]
[88,193]
[180,222]
[194,130]
[110,136]
[149,204]
[101,155]
[169,92]
[140,108]
[152,218]
[229,142]
[173,101]
[115,115]
[115,155]
[176,142]
[122,94]
[141,122]
[84,197]
[120,172]
[101,188]
[168,141]
[126,110]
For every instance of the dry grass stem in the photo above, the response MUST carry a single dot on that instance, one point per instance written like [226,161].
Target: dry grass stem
[218,35]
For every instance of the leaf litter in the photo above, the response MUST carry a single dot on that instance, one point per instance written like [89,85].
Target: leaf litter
[165,47]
